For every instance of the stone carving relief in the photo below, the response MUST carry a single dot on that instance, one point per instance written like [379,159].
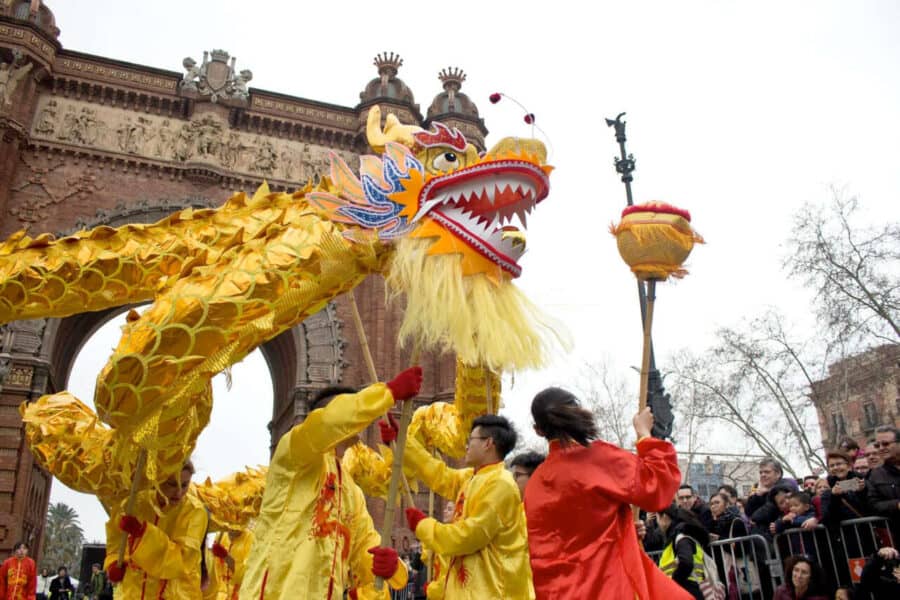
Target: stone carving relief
[215,77]
[11,73]
[207,138]
[46,185]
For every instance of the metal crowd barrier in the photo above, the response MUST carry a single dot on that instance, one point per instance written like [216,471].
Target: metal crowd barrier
[751,566]
[747,567]
[860,539]
[816,545]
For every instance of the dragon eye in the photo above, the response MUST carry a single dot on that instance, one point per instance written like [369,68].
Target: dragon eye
[446,161]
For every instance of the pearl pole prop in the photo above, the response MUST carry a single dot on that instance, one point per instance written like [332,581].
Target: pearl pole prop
[648,344]
[654,239]
[132,495]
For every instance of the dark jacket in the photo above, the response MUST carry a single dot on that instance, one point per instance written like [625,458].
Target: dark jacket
[684,550]
[61,588]
[730,524]
[781,524]
[785,593]
[763,510]
[877,579]
[884,495]
[849,505]
[703,514]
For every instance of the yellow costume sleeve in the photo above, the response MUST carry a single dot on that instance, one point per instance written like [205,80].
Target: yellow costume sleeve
[167,557]
[362,537]
[239,551]
[438,476]
[495,511]
[346,415]
[211,591]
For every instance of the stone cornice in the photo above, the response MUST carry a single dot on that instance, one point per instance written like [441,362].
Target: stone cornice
[30,38]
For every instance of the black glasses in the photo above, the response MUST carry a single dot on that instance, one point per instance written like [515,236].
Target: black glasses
[476,437]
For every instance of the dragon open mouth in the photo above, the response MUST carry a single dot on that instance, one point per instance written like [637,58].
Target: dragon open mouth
[477,204]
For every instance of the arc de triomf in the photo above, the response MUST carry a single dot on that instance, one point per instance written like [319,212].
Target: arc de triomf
[89,140]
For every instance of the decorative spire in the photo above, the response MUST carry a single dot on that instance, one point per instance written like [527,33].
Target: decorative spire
[388,64]
[452,78]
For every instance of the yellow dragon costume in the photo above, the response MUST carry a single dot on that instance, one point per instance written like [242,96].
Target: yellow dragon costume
[429,214]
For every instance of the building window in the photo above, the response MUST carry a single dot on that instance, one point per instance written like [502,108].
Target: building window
[871,415]
[838,427]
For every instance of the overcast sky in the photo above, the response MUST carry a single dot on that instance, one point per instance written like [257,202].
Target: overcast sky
[739,111]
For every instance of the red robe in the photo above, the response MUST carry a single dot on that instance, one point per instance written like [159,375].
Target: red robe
[18,579]
[581,532]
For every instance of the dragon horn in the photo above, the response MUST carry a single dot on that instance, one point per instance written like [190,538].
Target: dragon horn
[394,131]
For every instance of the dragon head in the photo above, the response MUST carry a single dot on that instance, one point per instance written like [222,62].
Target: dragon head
[449,214]
[434,185]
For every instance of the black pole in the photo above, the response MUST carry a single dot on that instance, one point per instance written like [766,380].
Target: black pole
[657,399]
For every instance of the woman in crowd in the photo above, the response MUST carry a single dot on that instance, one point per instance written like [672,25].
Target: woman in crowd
[597,554]
[819,490]
[682,559]
[726,519]
[61,587]
[846,498]
[803,580]
[43,584]
[163,551]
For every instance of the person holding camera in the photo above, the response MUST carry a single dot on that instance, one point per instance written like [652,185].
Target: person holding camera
[846,497]
[881,575]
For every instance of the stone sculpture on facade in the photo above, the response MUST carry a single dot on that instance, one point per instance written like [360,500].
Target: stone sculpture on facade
[215,77]
[46,121]
[11,73]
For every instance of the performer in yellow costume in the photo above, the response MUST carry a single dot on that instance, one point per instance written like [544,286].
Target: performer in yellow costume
[230,551]
[314,536]
[486,545]
[165,538]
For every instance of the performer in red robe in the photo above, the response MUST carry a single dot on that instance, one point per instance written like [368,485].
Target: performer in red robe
[18,577]
[581,532]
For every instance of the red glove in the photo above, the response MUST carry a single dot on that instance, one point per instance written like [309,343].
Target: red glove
[413,517]
[384,561]
[219,550]
[388,429]
[116,572]
[406,385]
[132,526]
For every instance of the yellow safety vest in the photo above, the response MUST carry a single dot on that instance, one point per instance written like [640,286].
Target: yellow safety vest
[668,562]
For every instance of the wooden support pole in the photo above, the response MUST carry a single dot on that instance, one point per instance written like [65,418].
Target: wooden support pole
[387,527]
[132,496]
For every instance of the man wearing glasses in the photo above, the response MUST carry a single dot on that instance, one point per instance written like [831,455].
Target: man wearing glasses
[884,482]
[486,544]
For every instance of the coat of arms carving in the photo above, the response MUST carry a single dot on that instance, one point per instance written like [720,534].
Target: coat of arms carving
[215,77]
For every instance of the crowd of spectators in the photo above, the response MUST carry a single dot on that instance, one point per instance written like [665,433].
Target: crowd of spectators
[861,482]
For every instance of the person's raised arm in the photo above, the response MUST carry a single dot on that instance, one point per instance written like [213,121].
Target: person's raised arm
[649,479]
[348,414]
[444,480]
